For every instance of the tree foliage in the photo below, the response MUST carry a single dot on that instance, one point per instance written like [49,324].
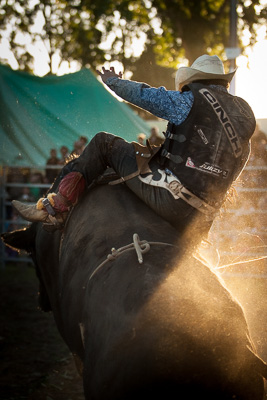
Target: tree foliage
[94,31]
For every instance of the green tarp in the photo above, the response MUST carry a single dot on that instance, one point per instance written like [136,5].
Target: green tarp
[37,114]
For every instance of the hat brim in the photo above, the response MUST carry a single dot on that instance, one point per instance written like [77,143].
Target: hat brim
[187,75]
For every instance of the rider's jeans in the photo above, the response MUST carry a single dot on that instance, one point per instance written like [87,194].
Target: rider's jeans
[106,150]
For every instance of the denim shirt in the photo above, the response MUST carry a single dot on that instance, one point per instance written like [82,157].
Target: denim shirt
[170,105]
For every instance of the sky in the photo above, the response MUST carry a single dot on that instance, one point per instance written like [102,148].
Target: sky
[250,79]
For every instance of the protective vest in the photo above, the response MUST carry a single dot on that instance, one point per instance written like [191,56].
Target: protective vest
[210,148]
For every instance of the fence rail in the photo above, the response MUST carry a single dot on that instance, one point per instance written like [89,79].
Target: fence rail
[218,230]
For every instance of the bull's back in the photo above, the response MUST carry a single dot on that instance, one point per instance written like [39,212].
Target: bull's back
[159,328]
[178,338]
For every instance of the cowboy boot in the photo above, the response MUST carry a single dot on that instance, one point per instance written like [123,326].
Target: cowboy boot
[53,209]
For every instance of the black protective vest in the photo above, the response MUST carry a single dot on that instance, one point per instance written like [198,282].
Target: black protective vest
[211,147]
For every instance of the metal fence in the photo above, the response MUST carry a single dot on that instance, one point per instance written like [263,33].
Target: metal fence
[240,233]
[237,220]
[12,187]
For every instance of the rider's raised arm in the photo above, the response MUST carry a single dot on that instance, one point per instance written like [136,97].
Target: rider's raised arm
[171,105]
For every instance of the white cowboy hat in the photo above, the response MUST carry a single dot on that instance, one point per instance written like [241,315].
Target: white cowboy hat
[204,67]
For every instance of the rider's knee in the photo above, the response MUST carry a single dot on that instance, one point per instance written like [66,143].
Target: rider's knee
[105,141]
[101,136]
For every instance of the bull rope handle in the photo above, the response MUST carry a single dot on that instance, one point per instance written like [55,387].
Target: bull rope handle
[140,246]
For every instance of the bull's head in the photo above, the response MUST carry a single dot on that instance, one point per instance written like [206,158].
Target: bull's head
[22,239]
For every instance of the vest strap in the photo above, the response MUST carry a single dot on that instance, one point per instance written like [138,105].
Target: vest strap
[179,138]
[172,157]
[178,189]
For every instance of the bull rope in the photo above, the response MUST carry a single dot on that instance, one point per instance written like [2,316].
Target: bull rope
[140,246]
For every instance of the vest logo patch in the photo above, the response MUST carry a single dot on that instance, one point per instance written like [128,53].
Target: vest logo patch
[225,121]
[202,135]
[208,168]
[189,163]
[214,170]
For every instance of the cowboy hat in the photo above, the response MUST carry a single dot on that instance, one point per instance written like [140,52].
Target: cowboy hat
[204,67]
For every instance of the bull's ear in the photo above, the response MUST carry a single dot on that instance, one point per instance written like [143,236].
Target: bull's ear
[22,239]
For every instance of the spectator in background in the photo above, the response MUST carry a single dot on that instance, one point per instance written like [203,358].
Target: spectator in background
[15,175]
[64,152]
[77,148]
[51,173]
[83,140]
[26,195]
[155,139]
[35,178]
[141,138]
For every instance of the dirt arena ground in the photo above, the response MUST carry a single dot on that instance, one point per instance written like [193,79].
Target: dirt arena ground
[35,364]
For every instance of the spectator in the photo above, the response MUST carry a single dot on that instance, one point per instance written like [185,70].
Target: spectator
[51,173]
[83,140]
[64,151]
[26,195]
[141,138]
[15,175]
[36,178]
[155,139]
[77,148]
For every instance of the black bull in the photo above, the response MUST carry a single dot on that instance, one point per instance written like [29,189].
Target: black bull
[167,328]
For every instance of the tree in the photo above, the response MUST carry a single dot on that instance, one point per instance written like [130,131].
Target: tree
[63,27]
[75,30]
[94,31]
[196,27]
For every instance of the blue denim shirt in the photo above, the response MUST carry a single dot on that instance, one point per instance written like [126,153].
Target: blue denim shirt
[170,105]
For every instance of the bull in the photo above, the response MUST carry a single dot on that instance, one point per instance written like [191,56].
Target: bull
[147,318]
